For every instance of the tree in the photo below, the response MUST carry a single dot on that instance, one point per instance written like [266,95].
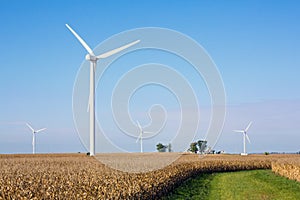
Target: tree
[160,147]
[202,144]
[193,147]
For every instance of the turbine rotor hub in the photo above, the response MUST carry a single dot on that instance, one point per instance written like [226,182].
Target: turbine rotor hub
[91,57]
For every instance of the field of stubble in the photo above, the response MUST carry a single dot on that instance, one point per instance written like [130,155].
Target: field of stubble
[77,176]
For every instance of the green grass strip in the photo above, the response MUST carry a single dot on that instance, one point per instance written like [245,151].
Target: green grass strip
[254,184]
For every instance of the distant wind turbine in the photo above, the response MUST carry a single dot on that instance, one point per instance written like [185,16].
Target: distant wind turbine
[245,136]
[140,137]
[33,136]
[93,63]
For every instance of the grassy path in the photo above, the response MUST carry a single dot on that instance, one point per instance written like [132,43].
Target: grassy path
[256,184]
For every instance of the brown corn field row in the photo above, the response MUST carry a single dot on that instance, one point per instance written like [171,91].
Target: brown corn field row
[288,167]
[77,176]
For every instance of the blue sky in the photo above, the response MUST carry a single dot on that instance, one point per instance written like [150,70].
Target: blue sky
[255,45]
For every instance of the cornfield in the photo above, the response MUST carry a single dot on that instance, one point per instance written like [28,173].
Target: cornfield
[288,167]
[77,176]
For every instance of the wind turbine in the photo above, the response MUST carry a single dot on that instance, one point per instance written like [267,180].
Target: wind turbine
[93,63]
[245,136]
[140,137]
[33,136]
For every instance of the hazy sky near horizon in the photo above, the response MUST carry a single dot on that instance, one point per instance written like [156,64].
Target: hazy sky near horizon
[255,45]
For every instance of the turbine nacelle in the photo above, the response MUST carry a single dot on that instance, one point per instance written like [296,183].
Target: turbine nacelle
[91,57]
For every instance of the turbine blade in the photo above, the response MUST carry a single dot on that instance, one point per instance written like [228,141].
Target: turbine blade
[83,43]
[139,125]
[40,130]
[30,127]
[112,52]
[147,132]
[140,136]
[239,131]
[248,126]
[141,131]
[88,106]
[248,139]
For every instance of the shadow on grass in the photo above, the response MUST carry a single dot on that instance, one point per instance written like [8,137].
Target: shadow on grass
[193,188]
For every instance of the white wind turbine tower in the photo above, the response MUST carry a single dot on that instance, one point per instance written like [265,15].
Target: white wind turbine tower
[245,136]
[93,63]
[33,136]
[140,137]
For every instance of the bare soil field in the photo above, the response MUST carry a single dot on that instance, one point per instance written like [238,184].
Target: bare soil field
[77,176]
